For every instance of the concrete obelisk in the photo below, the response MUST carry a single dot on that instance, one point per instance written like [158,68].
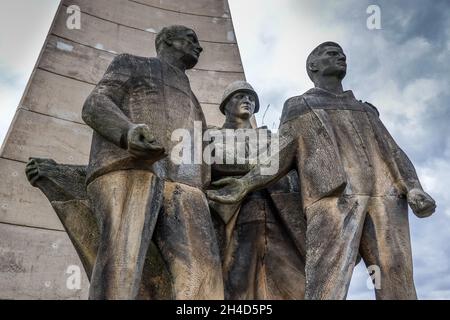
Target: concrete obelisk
[37,260]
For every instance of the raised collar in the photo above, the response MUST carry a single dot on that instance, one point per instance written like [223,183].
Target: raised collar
[320,91]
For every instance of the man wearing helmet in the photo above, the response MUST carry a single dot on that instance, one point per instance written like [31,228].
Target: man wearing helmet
[262,242]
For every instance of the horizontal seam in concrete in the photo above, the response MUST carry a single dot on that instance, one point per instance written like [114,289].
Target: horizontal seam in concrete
[182,12]
[68,120]
[116,54]
[72,78]
[50,115]
[131,27]
[65,76]
[31,227]
[10,159]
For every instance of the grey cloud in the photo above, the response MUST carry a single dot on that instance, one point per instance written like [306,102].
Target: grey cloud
[403,69]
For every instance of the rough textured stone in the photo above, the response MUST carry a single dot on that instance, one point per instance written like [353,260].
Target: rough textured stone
[21,204]
[63,98]
[143,17]
[34,264]
[216,8]
[87,64]
[134,110]
[65,188]
[109,36]
[60,97]
[32,132]
[355,183]
[262,238]
[56,95]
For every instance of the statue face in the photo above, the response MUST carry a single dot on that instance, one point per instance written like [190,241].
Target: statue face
[331,62]
[241,105]
[187,47]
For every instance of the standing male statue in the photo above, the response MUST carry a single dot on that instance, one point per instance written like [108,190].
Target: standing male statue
[263,246]
[134,189]
[355,184]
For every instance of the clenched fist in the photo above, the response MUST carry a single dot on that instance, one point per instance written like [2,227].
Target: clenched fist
[37,168]
[421,203]
[142,144]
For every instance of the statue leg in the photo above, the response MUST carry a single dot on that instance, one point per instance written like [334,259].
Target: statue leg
[334,227]
[126,204]
[244,254]
[386,244]
[262,261]
[187,242]
[284,265]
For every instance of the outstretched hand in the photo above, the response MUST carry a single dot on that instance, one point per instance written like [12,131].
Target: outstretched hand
[421,203]
[142,144]
[232,191]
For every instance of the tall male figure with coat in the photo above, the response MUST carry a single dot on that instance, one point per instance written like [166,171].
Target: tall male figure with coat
[355,184]
[136,192]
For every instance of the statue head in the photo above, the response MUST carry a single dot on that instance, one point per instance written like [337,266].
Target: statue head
[326,60]
[180,43]
[239,101]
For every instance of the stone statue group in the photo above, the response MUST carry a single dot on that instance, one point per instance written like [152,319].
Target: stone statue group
[147,228]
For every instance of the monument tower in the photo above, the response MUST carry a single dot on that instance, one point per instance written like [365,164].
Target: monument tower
[37,260]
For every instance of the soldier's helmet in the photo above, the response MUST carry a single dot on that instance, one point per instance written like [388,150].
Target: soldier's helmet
[238,86]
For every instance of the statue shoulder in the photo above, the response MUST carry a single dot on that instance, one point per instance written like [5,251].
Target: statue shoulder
[127,64]
[372,108]
[121,61]
[294,107]
[295,101]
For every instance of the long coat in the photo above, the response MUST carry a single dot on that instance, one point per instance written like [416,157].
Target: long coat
[144,91]
[320,169]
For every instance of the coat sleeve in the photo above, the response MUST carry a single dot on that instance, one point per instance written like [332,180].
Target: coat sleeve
[406,173]
[102,111]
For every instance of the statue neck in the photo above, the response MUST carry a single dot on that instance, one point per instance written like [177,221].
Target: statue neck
[330,84]
[172,60]
[237,123]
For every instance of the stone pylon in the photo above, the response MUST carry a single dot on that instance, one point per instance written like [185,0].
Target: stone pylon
[37,260]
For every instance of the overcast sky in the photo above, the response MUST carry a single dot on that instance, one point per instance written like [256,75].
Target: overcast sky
[403,69]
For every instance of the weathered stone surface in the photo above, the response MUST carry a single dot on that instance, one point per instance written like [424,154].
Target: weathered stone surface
[87,64]
[211,115]
[41,136]
[34,264]
[130,176]
[62,97]
[75,61]
[355,183]
[216,8]
[65,188]
[136,15]
[56,95]
[109,36]
[21,204]
[262,236]
[209,85]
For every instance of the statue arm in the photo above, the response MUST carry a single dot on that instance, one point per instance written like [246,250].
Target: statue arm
[257,179]
[233,190]
[421,203]
[102,111]
[59,182]
[407,173]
